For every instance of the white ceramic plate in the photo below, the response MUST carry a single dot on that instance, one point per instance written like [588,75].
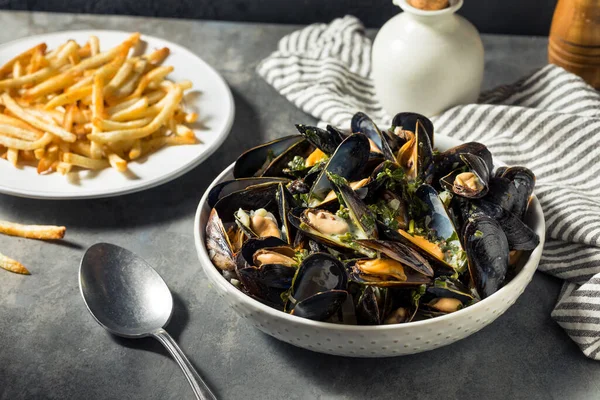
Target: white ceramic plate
[210,97]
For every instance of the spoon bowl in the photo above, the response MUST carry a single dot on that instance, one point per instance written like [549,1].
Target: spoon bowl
[128,298]
[123,292]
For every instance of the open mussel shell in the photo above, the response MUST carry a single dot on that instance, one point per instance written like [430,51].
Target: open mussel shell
[402,253]
[218,245]
[518,234]
[254,161]
[488,253]
[280,164]
[320,138]
[437,223]
[348,161]
[524,181]
[408,121]
[252,245]
[286,202]
[416,156]
[373,305]
[470,181]
[449,288]
[266,278]
[359,212]
[384,272]
[226,188]
[361,123]
[326,228]
[319,287]
[222,217]
[450,160]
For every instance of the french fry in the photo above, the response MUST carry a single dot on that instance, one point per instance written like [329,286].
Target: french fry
[69,97]
[19,144]
[69,116]
[130,84]
[27,155]
[172,100]
[184,131]
[117,162]
[30,79]
[64,168]
[82,148]
[94,45]
[12,155]
[135,111]
[157,56]
[52,85]
[22,58]
[19,133]
[85,51]
[39,153]
[136,149]
[62,57]
[120,77]
[85,162]
[152,145]
[107,124]
[41,232]
[98,97]
[36,122]
[12,265]
[17,69]
[190,118]
[157,74]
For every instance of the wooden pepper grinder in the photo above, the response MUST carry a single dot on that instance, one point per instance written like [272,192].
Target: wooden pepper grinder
[575,38]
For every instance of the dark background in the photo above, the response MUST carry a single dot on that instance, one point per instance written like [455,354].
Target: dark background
[521,17]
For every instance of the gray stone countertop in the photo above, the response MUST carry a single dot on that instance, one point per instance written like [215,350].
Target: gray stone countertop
[51,348]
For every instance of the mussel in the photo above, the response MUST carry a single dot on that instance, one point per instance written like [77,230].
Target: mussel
[319,288]
[255,161]
[361,123]
[470,181]
[416,155]
[488,253]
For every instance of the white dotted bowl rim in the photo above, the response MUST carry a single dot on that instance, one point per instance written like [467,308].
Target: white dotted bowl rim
[522,278]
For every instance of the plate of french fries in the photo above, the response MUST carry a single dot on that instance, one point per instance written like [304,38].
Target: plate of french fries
[89,114]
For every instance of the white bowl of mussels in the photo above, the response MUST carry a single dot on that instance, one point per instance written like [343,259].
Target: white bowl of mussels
[376,243]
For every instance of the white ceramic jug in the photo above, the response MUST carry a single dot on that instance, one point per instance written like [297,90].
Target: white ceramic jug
[427,61]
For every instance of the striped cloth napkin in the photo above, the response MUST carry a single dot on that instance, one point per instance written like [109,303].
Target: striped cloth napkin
[548,121]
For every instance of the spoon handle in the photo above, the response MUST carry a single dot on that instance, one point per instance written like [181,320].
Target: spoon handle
[200,389]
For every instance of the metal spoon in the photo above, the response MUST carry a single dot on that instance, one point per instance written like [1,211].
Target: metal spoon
[126,296]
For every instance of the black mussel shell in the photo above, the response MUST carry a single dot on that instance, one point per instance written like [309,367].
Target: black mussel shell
[488,253]
[373,305]
[321,306]
[449,160]
[475,165]
[502,192]
[359,212]
[348,161]
[518,234]
[267,282]
[361,123]
[420,151]
[251,198]
[255,160]
[217,243]
[408,122]
[319,287]
[223,189]
[524,181]
[285,202]
[356,274]
[402,253]
[280,164]
[320,138]
[252,245]
[445,287]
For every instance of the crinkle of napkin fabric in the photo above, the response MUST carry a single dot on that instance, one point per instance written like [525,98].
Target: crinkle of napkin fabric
[548,121]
